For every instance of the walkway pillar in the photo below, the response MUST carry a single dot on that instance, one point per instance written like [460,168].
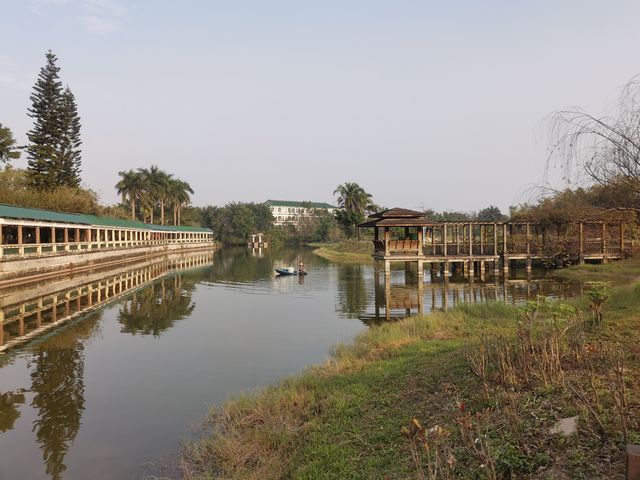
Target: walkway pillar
[444,241]
[581,250]
[604,242]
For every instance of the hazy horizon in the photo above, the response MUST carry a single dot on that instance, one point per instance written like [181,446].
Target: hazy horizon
[424,104]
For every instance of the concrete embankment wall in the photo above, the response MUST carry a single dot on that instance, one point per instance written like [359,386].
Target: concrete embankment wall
[29,269]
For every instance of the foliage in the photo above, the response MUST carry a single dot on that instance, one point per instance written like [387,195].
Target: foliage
[16,189]
[598,296]
[354,203]
[53,152]
[147,190]
[447,216]
[491,214]
[235,222]
[8,150]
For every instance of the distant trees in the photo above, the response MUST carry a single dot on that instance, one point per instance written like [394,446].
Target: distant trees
[146,190]
[54,150]
[233,223]
[491,214]
[354,203]
[8,150]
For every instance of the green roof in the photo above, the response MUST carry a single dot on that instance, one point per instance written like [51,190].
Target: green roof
[22,213]
[10,211]
[291,203]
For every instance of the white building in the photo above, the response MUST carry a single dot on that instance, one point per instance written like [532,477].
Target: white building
[286,212]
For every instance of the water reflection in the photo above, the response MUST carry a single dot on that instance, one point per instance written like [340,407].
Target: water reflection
[56,366]
[402,293]
[155,309]
[9,412]
[57,386]
[26,313]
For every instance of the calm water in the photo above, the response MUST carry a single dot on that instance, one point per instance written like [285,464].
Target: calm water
[121,385]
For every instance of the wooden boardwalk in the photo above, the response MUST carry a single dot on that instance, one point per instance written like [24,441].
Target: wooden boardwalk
[407,236]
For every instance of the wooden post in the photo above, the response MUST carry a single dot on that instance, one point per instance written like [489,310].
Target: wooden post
[528,247]
[54,247]
[387,238]
[505,256]
[581,252]
[470,242]
[1,250]
[420,240]
[604,242]
[481,239]
[444,241]
[495,239]
[458,239]
[621,239]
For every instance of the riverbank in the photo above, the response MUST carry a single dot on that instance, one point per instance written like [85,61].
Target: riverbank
[485,384]
[618,272]
[348,251]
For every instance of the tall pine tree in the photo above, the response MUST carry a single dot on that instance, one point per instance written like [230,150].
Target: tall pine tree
[46,132]
[69,148]
[53,153]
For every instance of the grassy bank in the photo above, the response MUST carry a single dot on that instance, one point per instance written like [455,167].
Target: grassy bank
[347,251]
[485,384]
[617,273]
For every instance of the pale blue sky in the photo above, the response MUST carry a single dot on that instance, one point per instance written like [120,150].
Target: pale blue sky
[425,104]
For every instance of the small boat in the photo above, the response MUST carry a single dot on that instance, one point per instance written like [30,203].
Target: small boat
[289,271]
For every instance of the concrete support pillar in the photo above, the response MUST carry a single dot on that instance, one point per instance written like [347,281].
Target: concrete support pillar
[387,267]
[420,270]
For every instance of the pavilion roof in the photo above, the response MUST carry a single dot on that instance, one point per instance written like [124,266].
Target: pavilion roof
[398,213]
[398,217]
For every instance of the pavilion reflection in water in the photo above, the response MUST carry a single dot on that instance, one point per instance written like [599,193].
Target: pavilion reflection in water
[27,312]
[403,293]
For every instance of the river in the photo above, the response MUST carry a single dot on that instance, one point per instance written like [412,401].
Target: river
[112,392]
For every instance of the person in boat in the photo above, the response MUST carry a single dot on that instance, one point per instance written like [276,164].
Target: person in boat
[301,268]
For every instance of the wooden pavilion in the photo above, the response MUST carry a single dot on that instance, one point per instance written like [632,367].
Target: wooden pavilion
[402,235]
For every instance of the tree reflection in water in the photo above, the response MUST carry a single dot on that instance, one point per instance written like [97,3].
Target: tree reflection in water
[154,309]
[9,412]
[352,290]
[57,383]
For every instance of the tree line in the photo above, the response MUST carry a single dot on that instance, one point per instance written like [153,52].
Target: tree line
[150,191]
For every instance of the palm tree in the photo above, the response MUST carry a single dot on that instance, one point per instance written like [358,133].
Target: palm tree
[179,191]
[353,201]
[131,187]
[353,198]
[156,187]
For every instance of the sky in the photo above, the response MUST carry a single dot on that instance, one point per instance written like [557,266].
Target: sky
[425,104]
